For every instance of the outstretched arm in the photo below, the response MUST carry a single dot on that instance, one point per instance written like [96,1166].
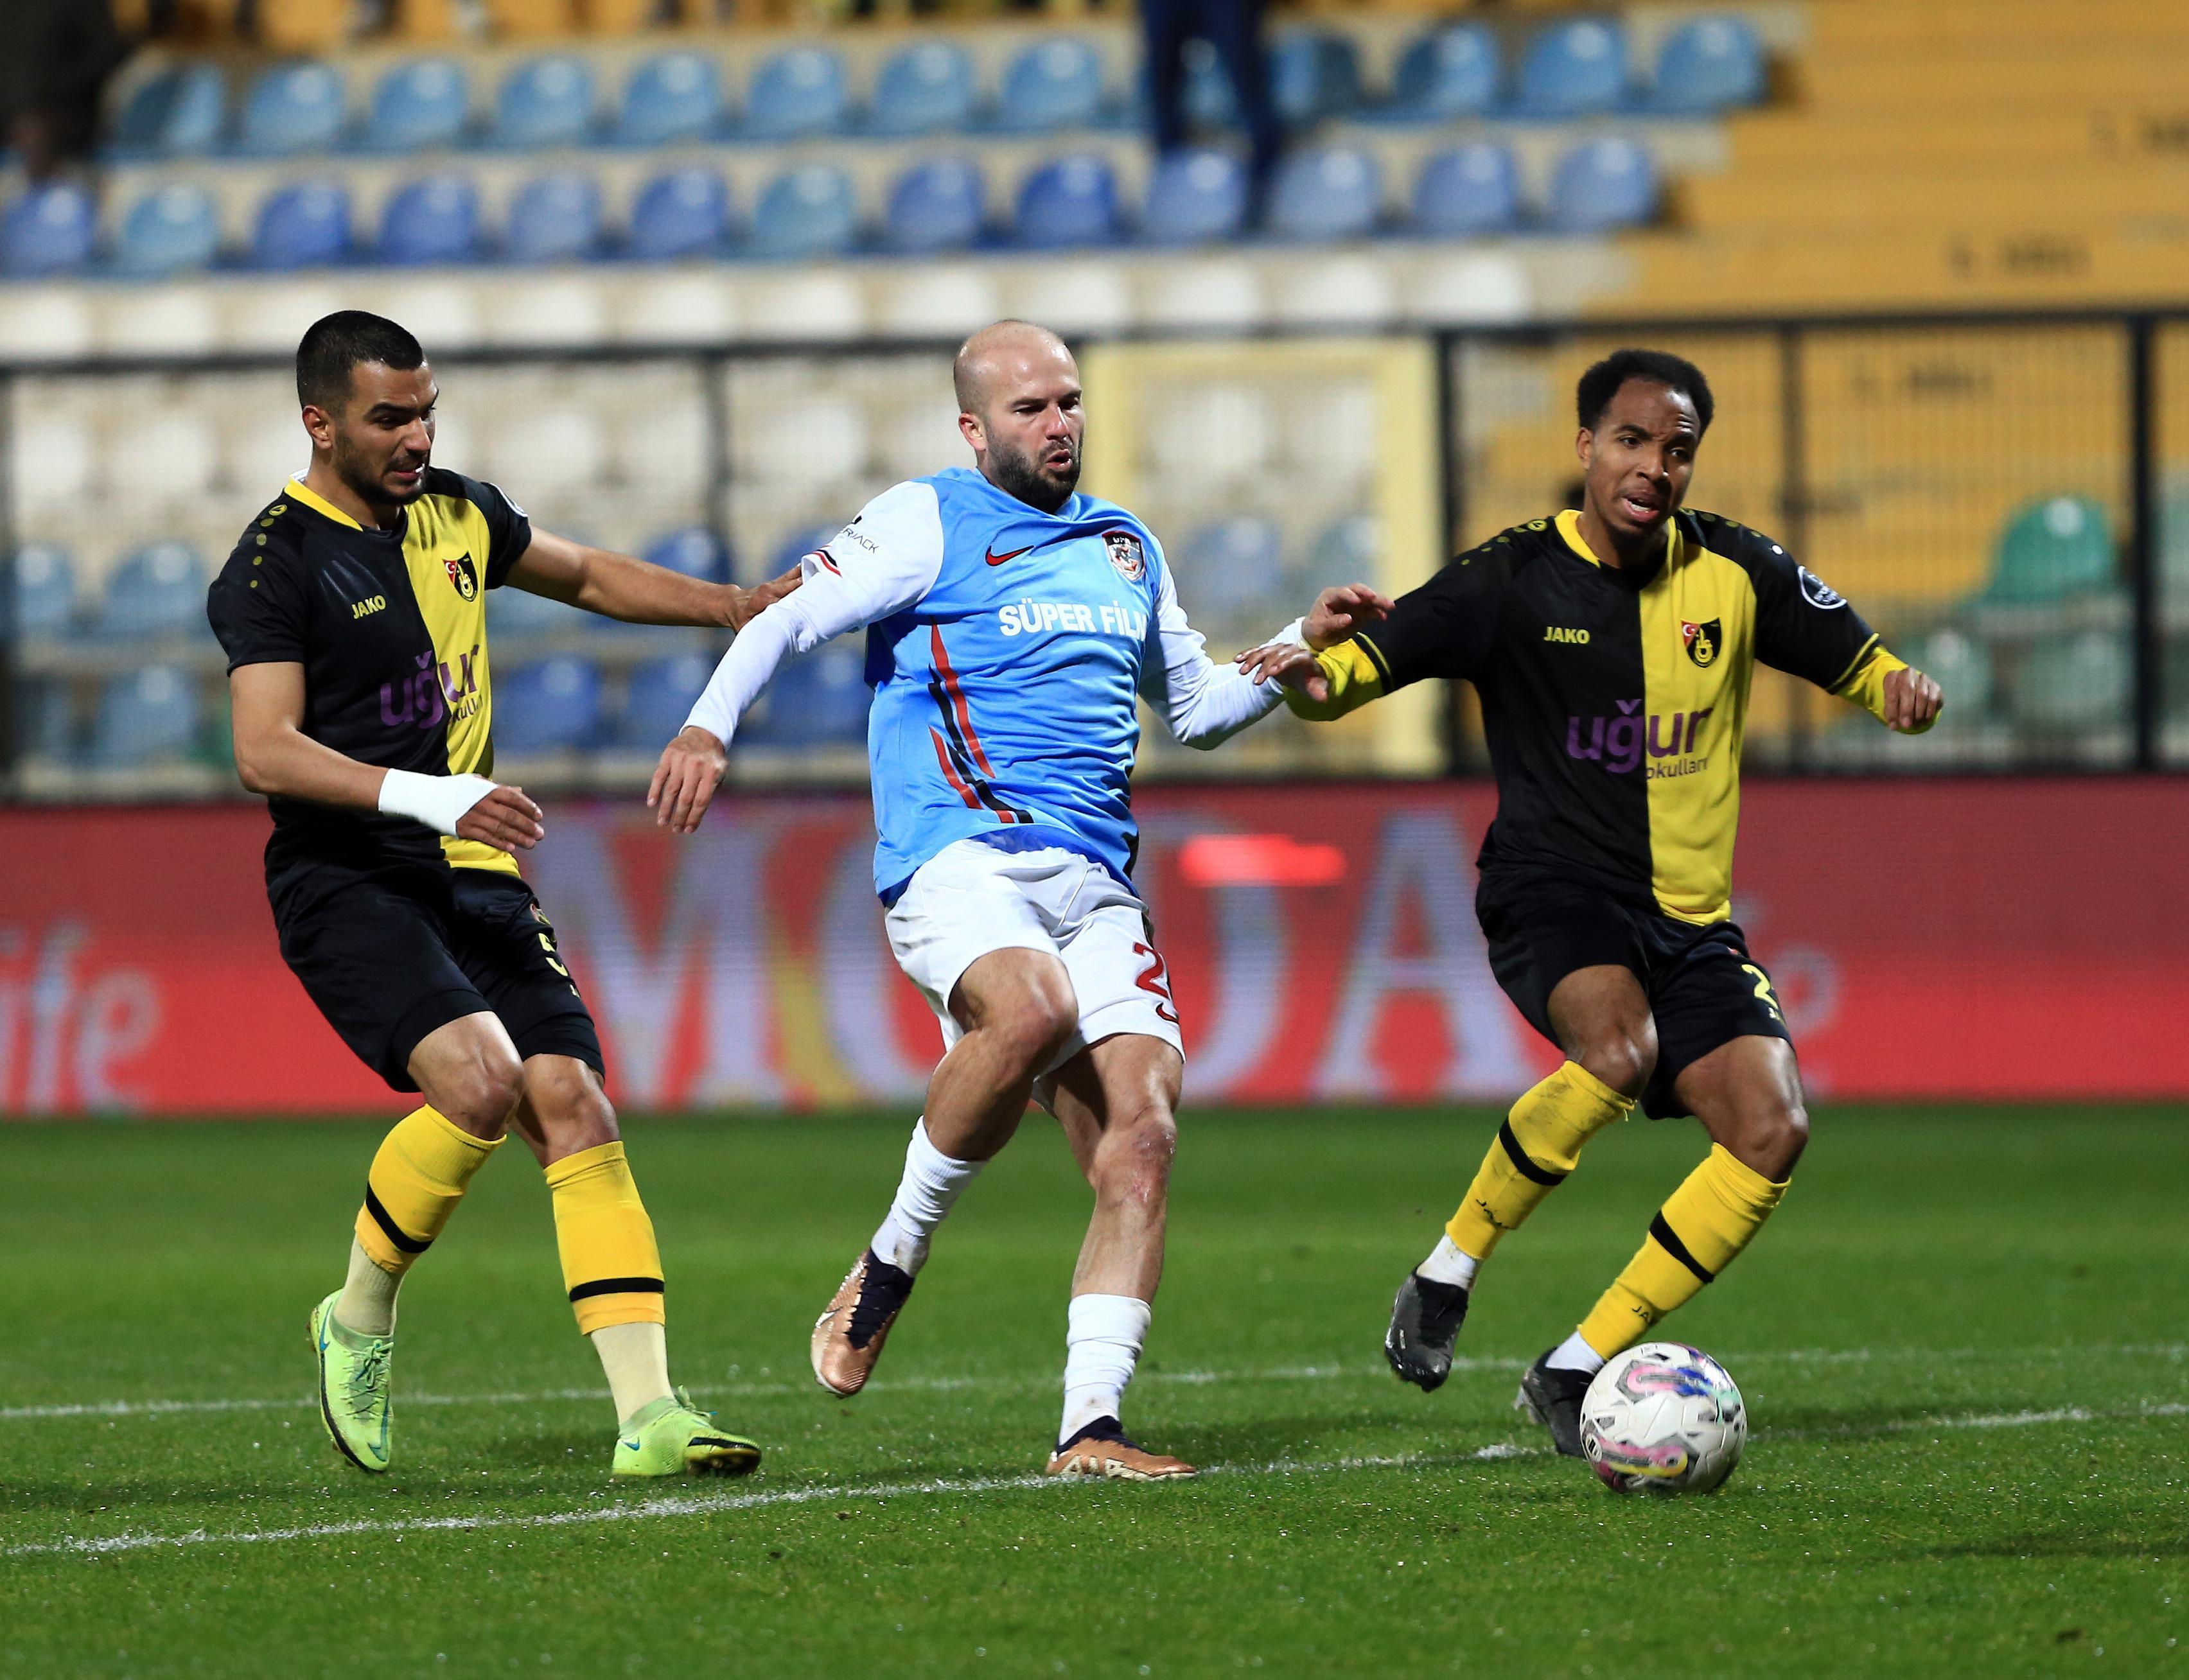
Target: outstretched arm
[616,587]
[1204,702]
[1806,627]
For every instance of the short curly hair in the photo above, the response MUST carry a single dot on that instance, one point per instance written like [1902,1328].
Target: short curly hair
[1601,384]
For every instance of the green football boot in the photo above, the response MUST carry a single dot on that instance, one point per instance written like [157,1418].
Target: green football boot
[672,1437]
[353,1389]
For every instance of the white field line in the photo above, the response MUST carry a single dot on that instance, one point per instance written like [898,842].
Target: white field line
[2175,1351]
[694,1505]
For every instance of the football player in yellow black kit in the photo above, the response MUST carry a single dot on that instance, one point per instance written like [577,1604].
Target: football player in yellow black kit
[1612,648]
[353,614]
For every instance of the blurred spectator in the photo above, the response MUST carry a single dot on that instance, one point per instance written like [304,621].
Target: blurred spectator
[60,55]
[1234,29]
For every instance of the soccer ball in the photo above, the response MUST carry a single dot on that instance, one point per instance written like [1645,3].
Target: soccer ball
[1663,1417]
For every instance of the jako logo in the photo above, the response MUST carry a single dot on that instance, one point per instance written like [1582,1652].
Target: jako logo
[1621,743]
[1560,633]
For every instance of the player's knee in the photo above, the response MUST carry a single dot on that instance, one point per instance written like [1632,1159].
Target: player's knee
[481,1097]
[575,1114]
[1780,1138]
[1035,1026]
[1623,1059]
[1134,1166]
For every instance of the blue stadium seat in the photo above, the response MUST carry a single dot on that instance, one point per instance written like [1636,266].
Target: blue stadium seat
[305,226]
[1314,76]
[2074,683]
[431,221]
[797,93]
[554,218]
[545,102]
[1052,86]
[158,590]
[551,706]
[795,546]
[2052,549]
[671,97]
[49,231]
[807,211]
[1331,193]
[683,214]
[1345,552]
[515,613]
[45,721]
[819,698]
[293,109]
[1195,196]
[1206,91]
[693,550]
[937,205]
[661,697]
[924,89]
[45,592]
[1450,72]
[423,105]
[1573,68]
[1709,65]
[1467,192]
[1069,201]
[177,113]
[171,231]
[1232,568]
[1603,184]
[146,716]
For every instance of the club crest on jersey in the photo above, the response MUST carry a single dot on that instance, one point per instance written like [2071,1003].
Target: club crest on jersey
[1125,555]
[464,576]
[1701,640]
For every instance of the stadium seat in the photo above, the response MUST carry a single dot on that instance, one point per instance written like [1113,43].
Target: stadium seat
[683,214]
[1230,569]
[554,218]
[1467,191]
[177,113]
[1331,193]
[1314,76]
[794,547]
[146,716]
[819,698]
[1577,68]
[2174,547]
[2050,550]
[421,105]
[302,227]
[49,231]
[1963,666]
[45,721]
[291,109]
[1345,552]
[158,590]
[1051,86]
[2071,685]
[1195,197]
[431,221]
[171,231]
[1601,185]
[553,706]
[45,592]
[518,614]
[924,89]
[661,696]
[1206,91]
[1709,65]
[694,551]
[1068,202]
[1450,72]
[937,205]
[807,211]
[795,94]
[671,97]
[545,102]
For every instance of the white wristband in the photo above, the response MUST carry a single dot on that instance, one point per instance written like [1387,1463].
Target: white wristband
[438,801]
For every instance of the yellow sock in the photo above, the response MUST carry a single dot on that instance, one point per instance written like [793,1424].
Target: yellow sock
[1538,1145]
[416,1179]
[1710,1219]
[610,1264]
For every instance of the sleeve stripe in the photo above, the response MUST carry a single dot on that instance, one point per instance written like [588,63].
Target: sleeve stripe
[1376,654]
[1861,657]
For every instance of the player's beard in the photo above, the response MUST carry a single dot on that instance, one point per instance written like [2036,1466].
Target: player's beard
[1033,482]
[369,480]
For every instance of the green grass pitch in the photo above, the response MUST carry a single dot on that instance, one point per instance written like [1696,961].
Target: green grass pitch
[1962,1341]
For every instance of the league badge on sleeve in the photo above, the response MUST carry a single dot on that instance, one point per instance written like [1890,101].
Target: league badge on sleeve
[1125,555]
[1817,592]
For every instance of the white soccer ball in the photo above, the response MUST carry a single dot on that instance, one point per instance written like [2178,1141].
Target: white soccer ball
[1663,1417]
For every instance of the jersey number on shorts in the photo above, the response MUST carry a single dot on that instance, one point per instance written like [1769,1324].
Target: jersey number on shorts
[1155,978]
[1763,991]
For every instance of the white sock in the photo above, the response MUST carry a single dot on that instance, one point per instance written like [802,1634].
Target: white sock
[931,1184]
[1447,1265]
[1101,1345]
[635,1359]
[1574,1354]
[367,1304]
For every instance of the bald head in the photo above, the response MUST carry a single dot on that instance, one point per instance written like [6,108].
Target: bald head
[1019,407]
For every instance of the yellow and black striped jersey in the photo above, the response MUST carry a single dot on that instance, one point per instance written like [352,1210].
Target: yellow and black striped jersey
[390,627]
[1613,702]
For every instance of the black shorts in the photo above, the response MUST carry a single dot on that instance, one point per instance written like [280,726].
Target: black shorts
[1704,989]
[389,955]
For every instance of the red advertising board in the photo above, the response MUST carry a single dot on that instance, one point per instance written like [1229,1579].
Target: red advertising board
[1941,939]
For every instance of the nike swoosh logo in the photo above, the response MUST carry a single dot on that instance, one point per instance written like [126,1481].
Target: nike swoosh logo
[634,1446]
[996,559]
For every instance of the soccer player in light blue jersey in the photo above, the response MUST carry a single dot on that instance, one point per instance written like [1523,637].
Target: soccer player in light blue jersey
[1012,625]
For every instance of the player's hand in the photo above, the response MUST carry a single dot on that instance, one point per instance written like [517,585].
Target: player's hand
[1286,663]
[503,819]
[691,767]
[1912,700]
[748,604]
[1341,611]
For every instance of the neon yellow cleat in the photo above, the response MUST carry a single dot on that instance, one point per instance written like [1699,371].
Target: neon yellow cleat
[672,1437]
[353,1389]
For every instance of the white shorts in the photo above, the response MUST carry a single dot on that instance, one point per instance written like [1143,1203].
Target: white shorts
[969,899]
